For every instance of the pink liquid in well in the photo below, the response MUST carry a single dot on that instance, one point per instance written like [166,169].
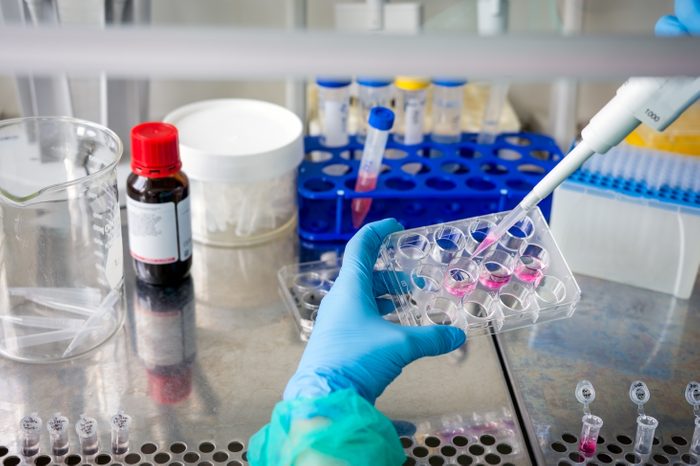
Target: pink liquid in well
[528,274]
[495,276]
[587,446]
[459,284]
[360,207]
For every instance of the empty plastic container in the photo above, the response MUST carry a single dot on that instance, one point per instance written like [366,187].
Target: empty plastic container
[61,257]
[241,157]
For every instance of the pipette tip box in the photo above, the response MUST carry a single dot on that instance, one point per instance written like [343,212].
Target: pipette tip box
[633,216]
[420,184]
[431,279]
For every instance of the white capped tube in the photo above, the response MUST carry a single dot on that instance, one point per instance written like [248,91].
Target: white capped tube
[333,110]
[29,435]
[58,434]
[86,428]
[120,423]
[448,100]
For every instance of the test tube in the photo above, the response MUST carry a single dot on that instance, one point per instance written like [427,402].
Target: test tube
[695,442]
[492,115]
[333,109]
[381,119]
[120,423]
[29,435]
[86,428]
[448,100]
[371,92]
[590,428]
[644,439]
[410,109]
[58,434]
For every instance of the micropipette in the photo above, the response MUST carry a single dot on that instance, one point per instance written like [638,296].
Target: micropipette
[656,102]
[58,434]
[381,119]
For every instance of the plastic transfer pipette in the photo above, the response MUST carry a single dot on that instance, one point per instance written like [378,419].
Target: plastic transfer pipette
[656,102]
[381,119]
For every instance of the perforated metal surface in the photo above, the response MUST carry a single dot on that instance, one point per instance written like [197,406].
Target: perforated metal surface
[619,450]
[204,453]
[209,359]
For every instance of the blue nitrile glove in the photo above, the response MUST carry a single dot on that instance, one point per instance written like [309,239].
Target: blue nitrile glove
[686,20]
[351,345]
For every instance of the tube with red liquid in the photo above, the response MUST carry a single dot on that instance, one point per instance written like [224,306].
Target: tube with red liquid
[381,119]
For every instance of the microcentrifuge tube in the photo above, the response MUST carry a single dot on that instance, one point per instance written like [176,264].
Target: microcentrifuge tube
[646,425]
[585,394]
[86,428]
[639,394]
[644,439]
[58,434]
[590,428]
[120,432]
[590,424]
[29,435]
[692,396]
[695,442]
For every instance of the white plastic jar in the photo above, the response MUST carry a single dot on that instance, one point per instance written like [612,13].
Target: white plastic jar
[241,157]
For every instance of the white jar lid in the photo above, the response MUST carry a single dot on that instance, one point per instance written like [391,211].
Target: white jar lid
[237,140]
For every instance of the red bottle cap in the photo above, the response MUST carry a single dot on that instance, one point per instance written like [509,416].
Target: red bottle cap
[154,150]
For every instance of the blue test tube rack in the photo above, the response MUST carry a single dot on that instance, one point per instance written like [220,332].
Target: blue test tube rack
[423,184]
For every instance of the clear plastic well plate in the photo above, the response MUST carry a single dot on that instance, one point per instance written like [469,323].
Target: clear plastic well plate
[522,280]
[303,286]
[431,278]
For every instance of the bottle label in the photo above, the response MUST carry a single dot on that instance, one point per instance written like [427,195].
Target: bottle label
[413,125]
[159,233]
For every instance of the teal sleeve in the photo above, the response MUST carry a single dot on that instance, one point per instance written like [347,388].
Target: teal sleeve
[339,429]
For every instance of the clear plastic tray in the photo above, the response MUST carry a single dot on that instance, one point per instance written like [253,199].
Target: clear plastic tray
[431,279]
[513,284]
[303,286]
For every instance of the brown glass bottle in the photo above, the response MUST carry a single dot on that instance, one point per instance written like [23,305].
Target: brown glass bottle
[158,206]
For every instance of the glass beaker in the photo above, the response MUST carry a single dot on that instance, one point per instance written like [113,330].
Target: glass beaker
[61,263]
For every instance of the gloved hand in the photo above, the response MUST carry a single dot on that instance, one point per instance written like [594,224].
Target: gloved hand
[686,20]
[352,346]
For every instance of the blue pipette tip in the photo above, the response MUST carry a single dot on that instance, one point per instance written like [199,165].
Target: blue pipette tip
[381,118]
